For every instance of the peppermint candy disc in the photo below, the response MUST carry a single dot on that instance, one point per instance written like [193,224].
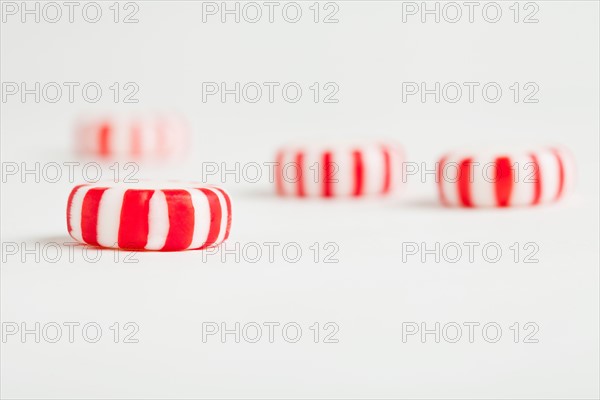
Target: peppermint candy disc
[504,179]
[149,216]
[338,170]
[134,137]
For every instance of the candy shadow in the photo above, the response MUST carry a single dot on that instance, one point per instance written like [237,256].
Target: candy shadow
[60,240]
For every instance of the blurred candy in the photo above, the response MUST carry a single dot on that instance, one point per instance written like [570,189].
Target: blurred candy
[339,170]
[154,137]
[504,179]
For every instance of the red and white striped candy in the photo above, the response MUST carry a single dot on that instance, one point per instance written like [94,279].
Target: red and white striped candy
[132,137]
[520,178]
[339,170]
[165,217]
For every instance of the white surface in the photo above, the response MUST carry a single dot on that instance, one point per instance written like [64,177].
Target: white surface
[370,292]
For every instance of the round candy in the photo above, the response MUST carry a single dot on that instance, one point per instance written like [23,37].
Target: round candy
[338,170]
[132,137]
[146,216]
[504,179]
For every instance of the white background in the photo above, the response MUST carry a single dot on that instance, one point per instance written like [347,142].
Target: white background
[370,292]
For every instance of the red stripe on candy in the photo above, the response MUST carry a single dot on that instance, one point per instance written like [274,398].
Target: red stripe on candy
[133,229]
[358,173]
[328,171]
[387,170]
[300,171]
[104,139]
[561,174]
[89,215]
[181,219]
[228,202]
[215,217]
[504,181]
[440,181]
[537,180]
[464,182]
